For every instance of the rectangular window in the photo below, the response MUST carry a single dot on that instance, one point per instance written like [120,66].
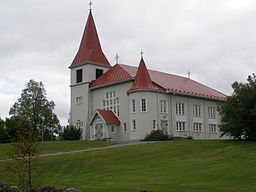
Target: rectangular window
[110,102]
[110,95]
[99,72]
[79,124]
[163,106]
[79,100]
[104,103]
[212,112]
[154,124]
[212,128]
[117,100]
[196,110]
[125,127]
[133,124]
[197,127]
[79,75]
[143,105]
[118,111]
[180,126]
[180,109]
[133,106]
[107,95]
[112,129]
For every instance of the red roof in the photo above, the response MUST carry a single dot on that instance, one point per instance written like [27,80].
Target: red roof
[90,49]
[142,79]
[170,82]
[109,116]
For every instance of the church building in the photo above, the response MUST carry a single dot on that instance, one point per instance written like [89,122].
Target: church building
[124,103]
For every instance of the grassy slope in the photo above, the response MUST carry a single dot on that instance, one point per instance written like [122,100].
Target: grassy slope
[58,146]
[189,166]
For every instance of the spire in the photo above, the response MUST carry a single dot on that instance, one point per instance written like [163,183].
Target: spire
[90,49]
[142,79]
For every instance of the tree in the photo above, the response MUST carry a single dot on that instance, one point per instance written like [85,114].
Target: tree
[24,152]
[34,107]
[239,111]
[70,133]
[3,132]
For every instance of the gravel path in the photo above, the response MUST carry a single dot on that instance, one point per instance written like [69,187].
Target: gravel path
[91,149]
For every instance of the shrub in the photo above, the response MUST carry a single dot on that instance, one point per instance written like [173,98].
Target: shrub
[157,135]
[70,133]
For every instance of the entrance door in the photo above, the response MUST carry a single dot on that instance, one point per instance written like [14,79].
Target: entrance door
[164,126]
[98,131]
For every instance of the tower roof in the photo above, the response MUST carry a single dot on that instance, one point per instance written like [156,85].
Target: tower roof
[90,49]
[142,78]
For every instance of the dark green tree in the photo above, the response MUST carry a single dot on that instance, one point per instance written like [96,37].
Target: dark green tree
[3,132]
[239,111]
[70,132]
[36,109]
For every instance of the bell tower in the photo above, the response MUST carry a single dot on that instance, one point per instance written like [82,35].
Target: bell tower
[88,64]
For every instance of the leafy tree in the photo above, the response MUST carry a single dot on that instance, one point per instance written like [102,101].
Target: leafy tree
[70,132]
[3,132]
[24,152]
[239,111]
[34,107]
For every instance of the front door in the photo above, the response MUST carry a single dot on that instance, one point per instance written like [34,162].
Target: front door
[164,126]
[98,131]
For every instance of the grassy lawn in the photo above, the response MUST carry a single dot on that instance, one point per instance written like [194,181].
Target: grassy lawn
[58,146]
[181,166]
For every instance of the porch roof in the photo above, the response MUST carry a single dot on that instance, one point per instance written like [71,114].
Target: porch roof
[108,116]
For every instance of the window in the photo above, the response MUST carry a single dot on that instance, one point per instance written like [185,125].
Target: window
[133,124]
[154,124]
[79,75]
[196,110]
[197,127]
[99,72]
[79,100]
[143,105]
[104,103]
[117,100]
[125,127]
[180,126]
[163,106]
[212,128]
[212,112]
[118,112]
[107,102]
[180,109]
[110,102]
[79,124]
[112,129]
[106,95]
[133,106]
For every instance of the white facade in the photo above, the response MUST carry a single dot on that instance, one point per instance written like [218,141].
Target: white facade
[180,116]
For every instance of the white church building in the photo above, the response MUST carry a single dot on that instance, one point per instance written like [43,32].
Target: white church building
[124,103]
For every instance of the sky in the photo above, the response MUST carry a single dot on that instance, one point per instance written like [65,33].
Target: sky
[215,40]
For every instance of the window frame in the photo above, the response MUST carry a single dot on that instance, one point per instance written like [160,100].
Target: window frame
[143,106]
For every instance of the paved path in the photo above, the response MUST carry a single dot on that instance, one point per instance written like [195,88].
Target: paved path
[91,149]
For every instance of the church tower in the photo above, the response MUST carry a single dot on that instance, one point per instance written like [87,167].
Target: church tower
[88,64]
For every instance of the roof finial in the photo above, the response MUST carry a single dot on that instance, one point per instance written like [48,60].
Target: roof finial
[117,58]
[188,73]
[141,53]
[90,4]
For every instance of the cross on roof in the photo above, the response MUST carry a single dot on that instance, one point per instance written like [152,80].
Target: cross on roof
[141,53]
[117,58]
[189,73]
[90,4]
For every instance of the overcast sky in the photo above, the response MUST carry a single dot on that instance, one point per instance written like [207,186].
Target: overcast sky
[215,40]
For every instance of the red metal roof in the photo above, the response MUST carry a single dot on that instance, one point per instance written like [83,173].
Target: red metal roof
[90,49]
[109,116]
[170,82]
[142,79]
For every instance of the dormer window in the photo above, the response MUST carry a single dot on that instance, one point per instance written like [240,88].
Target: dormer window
[99,72]
[79,75]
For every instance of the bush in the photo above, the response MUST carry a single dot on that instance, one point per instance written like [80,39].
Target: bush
[157,135]
[70,133]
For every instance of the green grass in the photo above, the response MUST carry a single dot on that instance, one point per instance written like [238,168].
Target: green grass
[181,166]
[58,146]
